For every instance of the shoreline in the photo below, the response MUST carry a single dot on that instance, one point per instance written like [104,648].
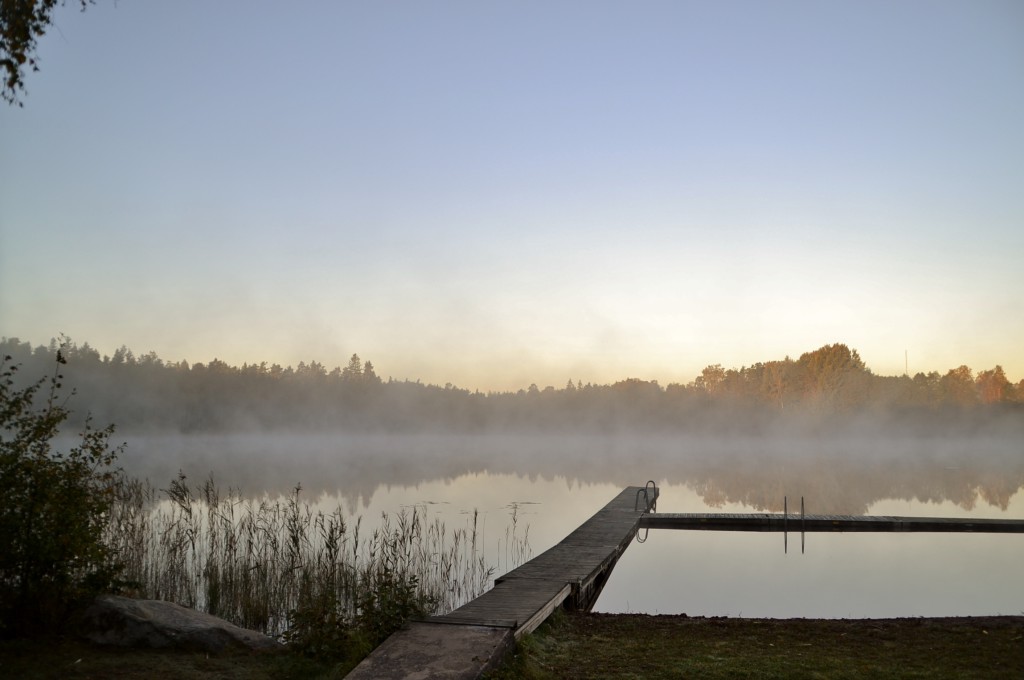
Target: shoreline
[584,646]
[593,645]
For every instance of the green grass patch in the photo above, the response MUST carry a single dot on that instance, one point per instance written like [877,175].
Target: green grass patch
[640,646]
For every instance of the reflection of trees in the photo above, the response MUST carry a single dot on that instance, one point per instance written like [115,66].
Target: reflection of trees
[846,489]
[821,426]
[836,475]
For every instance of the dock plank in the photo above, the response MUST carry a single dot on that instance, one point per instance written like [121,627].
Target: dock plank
[821,523]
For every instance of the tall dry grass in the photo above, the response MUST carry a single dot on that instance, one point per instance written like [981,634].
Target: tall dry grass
[280,564]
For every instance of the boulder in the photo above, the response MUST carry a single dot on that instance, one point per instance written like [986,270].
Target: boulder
[125,622]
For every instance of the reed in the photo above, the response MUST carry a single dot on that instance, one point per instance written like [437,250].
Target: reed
[288,569]
[517,545]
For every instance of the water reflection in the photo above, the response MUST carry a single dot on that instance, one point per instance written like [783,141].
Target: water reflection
[836,475]
[556,483]
[848,575]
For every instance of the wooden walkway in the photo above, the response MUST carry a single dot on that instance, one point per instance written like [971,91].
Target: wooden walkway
[572,572]
[474,637]
[817,523]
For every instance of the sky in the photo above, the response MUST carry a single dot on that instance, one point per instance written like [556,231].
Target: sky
[495,194]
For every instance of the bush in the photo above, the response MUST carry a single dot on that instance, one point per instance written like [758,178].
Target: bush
[322,628]
[389,599]
[55,506]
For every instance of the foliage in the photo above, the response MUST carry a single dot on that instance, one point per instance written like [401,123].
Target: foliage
[832,382]
[319,629]
[275,566]
[281,567]
[323,626]
[22,22]
[55,508]
[387,601]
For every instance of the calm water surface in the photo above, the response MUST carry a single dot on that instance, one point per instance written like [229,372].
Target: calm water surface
[847,575]
[692,572]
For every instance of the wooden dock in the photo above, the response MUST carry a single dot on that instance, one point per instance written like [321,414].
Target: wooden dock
[572,572]
[819,523]
[474,637]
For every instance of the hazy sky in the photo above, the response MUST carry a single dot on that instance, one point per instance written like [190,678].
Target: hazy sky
[500,193]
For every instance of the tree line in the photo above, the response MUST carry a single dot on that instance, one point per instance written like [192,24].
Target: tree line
[832,382]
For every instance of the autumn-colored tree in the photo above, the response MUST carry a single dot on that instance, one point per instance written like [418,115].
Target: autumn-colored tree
[957,387]
[927,389]
[993,386]
[710,379]
[775,381]
[833,375]
[146,392]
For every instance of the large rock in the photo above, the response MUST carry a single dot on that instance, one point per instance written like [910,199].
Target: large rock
[125,622]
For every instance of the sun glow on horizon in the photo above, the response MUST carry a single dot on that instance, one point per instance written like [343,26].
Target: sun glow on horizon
[491,197]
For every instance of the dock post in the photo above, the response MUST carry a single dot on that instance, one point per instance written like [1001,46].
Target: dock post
[803,524]
[785,525]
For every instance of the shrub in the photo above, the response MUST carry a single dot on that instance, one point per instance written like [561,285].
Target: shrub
[388,600]
[54,510]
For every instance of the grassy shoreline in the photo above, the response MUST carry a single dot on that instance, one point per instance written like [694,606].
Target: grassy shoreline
[591,646]
[584,646]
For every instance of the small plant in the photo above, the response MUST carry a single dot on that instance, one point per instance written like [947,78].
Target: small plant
[320,629]
[55,508]
[389,599]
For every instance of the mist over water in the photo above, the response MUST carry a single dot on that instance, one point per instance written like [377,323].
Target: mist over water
[556,265]
[554,483]
[843,473]
[822,428]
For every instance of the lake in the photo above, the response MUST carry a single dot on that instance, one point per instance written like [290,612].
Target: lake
[542,486]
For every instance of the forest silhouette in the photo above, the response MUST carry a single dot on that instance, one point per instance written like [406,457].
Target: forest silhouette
[823,426]
[828,386]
